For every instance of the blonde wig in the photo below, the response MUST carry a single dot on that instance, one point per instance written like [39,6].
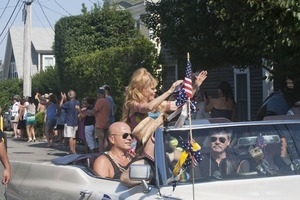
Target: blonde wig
[134,92]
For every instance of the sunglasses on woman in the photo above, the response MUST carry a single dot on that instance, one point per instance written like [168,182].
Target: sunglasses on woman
[221,139]
[125,135]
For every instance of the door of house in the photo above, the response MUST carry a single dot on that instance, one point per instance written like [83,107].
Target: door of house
[242,94]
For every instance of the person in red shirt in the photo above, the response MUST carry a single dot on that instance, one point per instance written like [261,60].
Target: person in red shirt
[102,110]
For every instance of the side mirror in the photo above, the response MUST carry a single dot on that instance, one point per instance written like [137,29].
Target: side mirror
[139,172]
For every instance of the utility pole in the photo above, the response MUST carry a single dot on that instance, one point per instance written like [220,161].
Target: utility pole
[27,48]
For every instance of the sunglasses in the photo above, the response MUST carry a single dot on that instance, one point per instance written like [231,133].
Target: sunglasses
[221,139]
[125,135]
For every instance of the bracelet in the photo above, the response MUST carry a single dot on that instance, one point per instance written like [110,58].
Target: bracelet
[168,105]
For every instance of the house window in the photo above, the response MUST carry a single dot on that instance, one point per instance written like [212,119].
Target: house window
[48,61]
[13,70]
[151,33]
[1,73]
[138,24]
[242,94]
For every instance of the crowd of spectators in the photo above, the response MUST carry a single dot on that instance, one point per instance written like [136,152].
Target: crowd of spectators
[66,121]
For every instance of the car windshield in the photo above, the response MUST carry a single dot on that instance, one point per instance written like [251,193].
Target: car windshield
[236,152]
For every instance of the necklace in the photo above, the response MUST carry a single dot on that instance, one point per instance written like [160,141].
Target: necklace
[122,169]
[217,174]
[149,157]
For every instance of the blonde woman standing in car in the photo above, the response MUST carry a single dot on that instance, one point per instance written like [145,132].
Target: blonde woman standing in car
[141,96]
[142,101]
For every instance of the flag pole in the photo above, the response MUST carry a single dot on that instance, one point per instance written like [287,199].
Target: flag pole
[191,133]
[189,108]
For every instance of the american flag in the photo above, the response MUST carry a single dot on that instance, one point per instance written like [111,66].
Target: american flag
[187,89]
[187,84]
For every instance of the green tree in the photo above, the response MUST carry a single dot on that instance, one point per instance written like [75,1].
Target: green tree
[186,26]
[47,81]
[266,29]
[230,32]
[97,29]
[112,66]
[9,88]
[101,46]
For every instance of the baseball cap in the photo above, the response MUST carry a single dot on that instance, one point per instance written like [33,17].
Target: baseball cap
[17,97]
[101,90]
[106,87]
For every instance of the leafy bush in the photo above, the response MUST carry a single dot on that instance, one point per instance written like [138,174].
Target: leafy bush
[39,126]
[9,88]
[46,81]
[93,31]
[113,67]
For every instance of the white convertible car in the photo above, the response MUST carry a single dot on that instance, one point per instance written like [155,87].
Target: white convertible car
[262,163]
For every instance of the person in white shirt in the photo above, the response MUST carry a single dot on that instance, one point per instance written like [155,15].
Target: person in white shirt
[14,114]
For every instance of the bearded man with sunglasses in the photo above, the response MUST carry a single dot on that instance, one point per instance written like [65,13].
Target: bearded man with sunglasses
[219,161]
[115,161]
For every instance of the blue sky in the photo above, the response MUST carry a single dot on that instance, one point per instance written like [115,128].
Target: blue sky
[44,14]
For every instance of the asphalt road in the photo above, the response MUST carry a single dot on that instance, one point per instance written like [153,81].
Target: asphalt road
[21,150]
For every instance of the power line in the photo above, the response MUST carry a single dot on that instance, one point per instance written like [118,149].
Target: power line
[45,15]
[41,22]
[53,11]
[11,24]
[10,17]
[38,18]
[62,7]
[5,8]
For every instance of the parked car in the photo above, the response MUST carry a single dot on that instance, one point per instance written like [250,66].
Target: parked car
[277,103]
[268,175]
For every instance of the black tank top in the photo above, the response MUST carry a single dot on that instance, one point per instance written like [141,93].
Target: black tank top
[118,169]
